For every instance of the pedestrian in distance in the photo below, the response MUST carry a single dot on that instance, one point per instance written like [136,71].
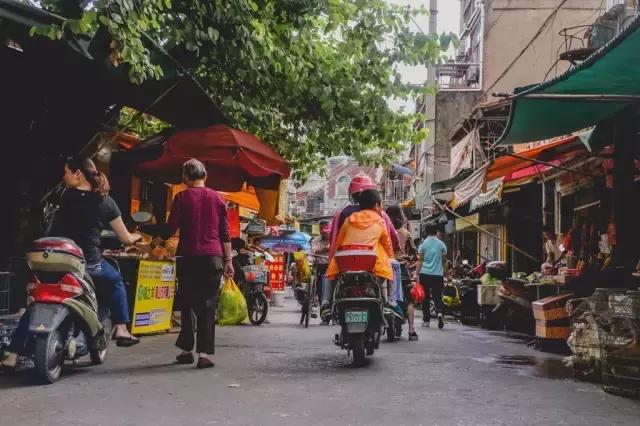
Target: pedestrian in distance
[431,268]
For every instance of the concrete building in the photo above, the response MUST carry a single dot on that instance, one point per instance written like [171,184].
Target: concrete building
[504,44]
[339,174]
[323,196]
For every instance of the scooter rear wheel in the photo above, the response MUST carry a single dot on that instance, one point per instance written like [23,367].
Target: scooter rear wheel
[49,356]
[357,346]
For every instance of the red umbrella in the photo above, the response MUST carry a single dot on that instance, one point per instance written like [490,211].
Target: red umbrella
[232,158]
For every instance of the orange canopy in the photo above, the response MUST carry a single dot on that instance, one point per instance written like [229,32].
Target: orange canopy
[504,166]
[246,198]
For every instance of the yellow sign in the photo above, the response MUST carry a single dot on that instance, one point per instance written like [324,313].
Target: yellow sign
[154,297]
[467,222]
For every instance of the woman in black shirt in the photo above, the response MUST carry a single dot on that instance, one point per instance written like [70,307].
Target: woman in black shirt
[85,210]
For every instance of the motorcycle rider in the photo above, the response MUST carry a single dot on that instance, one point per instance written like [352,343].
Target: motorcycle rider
[358,185]
[366,227]
[403,256]
[85,209]
[320,248]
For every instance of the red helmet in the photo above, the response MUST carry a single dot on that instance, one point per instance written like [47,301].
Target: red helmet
[361,183]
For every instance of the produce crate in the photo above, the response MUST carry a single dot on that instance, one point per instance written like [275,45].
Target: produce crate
[551,308]
[557,330]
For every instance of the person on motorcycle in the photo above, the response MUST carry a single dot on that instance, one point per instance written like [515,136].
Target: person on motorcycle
[320,249]
[358,185]
[431,267]
[403,255]
[85,210]
[366,227]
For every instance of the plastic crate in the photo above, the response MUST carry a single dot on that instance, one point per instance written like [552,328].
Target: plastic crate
[488,295]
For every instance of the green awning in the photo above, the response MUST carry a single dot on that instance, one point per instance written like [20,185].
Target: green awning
[587,94]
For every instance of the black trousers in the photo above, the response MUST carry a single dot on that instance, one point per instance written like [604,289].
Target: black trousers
[433,286]
[198,285]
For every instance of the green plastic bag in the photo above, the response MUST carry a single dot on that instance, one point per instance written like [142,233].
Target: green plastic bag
[232,307]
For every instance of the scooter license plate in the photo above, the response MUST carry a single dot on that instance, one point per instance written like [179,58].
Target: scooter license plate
[356,316]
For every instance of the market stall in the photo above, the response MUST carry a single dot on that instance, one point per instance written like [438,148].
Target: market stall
[249,175]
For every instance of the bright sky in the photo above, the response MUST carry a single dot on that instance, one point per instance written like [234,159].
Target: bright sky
[448,21]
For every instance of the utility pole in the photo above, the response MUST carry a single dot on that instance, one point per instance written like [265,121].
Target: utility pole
[427,151]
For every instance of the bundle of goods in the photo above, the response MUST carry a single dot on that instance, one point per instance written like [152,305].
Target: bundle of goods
[620,344]
[605,340]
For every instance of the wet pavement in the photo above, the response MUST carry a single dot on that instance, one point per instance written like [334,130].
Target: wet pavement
[281,373]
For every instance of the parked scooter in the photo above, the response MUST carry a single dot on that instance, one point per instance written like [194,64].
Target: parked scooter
[65,321]
[358,302]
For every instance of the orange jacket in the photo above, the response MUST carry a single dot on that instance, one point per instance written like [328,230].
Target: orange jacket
[366,227]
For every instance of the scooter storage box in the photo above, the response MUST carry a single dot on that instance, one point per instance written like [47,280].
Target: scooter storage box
[551,308]
[55,254]
[356,259]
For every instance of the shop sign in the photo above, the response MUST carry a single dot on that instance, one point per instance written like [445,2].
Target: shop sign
[154,297]
[468,222]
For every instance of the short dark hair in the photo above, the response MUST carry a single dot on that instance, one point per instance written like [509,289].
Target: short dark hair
[397,216]
[194,170]
[369,198]
[431,228]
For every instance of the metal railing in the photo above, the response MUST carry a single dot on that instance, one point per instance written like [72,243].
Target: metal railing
[460,76]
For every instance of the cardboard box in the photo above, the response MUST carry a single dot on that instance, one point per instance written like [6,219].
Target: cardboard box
[551,308]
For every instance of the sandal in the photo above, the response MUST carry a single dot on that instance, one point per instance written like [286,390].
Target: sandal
[413,336]
[126,342]
[185,359]
[205,363]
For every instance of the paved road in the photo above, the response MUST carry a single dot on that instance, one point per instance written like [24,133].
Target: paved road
[282,374]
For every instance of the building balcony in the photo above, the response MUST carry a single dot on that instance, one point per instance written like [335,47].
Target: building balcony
[459,76]
[582,41]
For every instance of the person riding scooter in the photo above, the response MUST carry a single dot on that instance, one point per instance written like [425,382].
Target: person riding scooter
[366,228]
[358,185]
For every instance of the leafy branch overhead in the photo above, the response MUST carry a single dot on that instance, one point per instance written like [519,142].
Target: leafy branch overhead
[310,77]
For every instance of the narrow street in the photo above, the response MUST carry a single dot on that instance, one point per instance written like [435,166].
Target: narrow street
[281,373]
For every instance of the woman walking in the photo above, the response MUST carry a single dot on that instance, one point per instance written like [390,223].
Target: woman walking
[204,253]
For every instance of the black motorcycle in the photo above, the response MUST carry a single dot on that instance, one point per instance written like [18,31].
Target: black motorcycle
[358,308]
[257,302]
[252,279]
[358,303]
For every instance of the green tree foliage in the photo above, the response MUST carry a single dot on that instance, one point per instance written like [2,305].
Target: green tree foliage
[312,78]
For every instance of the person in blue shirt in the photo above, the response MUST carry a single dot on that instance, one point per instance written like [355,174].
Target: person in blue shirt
[431,267]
